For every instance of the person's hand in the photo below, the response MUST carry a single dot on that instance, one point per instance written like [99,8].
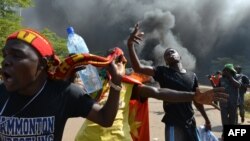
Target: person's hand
[207,97]
[114,72]
[135,36]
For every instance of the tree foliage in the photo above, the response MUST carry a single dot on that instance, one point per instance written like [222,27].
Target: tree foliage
[58,43]
[9,7]
[8,26]
[10,21]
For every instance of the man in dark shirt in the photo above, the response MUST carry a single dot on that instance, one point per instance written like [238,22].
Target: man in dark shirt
[34,107]
[179,117]
[231,84]
[242,91]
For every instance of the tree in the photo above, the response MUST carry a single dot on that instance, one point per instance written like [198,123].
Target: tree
[10,21]
[58,43]
[10,6]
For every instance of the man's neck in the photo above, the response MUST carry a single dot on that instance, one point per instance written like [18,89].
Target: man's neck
[178,67]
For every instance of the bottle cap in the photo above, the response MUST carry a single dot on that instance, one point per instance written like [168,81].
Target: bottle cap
[70,30]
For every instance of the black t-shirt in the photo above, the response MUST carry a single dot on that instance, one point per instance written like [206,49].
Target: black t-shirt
[176,113]
[44,117]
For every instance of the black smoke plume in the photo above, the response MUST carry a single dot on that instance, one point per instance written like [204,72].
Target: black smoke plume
[201,31]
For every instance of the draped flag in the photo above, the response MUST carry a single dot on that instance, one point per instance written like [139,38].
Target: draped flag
[139,120]
[138,112]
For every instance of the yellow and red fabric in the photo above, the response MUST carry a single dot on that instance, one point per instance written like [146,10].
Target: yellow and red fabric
[120,130]
[138,113]
[135,121]
[131,122]
[77,60]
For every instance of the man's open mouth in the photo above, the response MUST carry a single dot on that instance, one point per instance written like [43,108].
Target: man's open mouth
[6,77]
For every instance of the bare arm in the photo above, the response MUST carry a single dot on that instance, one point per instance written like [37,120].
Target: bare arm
[136,37]
[201,109]
[165,94]
[105,115]
[170,95]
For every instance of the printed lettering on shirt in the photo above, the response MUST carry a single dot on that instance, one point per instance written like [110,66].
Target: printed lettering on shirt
[27,129]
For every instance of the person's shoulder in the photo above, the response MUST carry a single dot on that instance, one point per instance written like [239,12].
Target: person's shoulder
[245,76]
[190,73]
[65,86]
[58,83]
[159,71]
[161,68]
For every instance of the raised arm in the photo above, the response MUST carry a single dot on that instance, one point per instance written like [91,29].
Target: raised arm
[105,115]
[136,37]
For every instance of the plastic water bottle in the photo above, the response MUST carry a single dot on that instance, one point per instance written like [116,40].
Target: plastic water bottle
[89,75]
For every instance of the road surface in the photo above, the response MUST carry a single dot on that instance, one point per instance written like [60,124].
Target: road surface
[156,126]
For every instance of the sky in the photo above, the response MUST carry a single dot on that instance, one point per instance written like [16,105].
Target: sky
[202,31]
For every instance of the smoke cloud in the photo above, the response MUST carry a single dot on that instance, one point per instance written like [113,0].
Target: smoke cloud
[158,25]
[200,31]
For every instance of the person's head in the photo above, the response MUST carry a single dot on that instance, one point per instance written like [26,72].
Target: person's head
[26,57]
[238,69]
[171,56]
[218,72]
[229,68]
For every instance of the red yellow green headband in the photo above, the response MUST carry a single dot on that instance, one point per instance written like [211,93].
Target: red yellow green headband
[36,40]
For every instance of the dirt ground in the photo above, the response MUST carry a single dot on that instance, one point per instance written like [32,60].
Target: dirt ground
[156,126]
